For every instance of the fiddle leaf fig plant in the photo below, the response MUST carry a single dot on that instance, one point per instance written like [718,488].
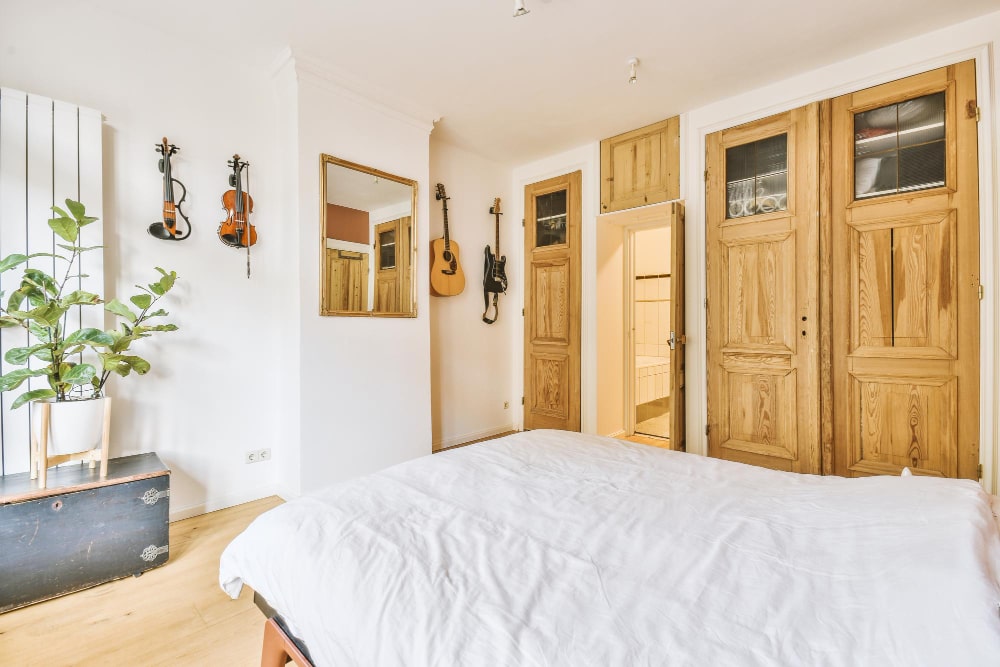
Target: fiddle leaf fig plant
[41,305]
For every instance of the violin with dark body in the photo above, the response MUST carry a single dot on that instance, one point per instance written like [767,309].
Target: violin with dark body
[236,231]
[166,230]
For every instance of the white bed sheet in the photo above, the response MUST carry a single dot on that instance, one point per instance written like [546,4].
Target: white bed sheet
[548,548]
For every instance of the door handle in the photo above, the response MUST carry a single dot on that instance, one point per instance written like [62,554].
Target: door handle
[672,341]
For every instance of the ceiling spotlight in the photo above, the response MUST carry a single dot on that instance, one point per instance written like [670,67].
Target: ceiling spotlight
[519,9]
[633,65]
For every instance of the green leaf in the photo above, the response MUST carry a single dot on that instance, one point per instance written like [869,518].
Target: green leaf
[67,228]
[118,308]
[76,208]
[142,301]
[167,282]
[78,248]
[157,313]
[93,336]
[17,298]
[39,332]
[162,327]
[20,355]
[138,364]
[79,297]
[10,261]
[14,379]
[7,321]
[62,213]
[78,374]
[86,220]
[48,314]
[157,289]
[34,395]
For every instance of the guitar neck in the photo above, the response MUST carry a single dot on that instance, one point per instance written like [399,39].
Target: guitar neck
[498,235]
[447,239]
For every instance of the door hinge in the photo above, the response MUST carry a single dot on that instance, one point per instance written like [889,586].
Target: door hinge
[522,222]
[980,471]
[706,304]
[522,312]
[972,110]
[706,429]
[706,175]
[982,292]
[522,400]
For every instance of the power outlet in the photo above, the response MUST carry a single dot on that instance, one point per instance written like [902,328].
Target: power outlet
[257,455]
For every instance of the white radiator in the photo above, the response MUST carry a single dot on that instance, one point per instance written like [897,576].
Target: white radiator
[49,151]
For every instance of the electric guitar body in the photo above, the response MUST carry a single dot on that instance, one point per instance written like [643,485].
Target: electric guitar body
[447,276]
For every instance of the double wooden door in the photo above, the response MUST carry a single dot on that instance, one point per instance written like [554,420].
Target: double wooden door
[843,285]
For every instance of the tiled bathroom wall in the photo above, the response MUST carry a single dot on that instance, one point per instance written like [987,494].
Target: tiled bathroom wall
[652,316]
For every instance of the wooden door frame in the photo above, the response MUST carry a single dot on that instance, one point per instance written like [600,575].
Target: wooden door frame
[699,125]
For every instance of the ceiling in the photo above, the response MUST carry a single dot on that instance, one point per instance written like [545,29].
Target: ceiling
[514,90]
[364,192]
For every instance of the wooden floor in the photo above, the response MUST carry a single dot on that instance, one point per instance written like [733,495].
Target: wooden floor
[173,615]
[648,440]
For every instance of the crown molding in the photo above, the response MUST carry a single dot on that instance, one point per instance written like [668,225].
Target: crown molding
[309,68]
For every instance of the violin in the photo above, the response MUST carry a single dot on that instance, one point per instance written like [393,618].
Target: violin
[235,231]
[166,230]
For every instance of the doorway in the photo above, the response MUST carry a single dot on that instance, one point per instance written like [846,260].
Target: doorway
[650,274]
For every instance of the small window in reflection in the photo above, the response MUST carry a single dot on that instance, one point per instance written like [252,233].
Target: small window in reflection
[387,250]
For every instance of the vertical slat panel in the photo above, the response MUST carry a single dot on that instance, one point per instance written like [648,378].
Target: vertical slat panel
[66,184]
[91,194]
[40,191]
[13,238]
[49,151]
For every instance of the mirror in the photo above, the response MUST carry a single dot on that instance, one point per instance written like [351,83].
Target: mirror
[367,241]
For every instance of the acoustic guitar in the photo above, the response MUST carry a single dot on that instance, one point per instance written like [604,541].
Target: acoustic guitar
[447,276]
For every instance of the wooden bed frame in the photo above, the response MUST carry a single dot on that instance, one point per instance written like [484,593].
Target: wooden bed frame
[280,646]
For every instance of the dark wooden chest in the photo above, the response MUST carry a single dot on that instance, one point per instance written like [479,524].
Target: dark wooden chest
[82,530]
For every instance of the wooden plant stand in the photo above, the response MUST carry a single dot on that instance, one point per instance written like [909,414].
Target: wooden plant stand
[40,459]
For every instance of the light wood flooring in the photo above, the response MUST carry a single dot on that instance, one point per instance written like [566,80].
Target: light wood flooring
[173,615]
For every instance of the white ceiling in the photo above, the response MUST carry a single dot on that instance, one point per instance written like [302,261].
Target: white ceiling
[518,89]
[364,192]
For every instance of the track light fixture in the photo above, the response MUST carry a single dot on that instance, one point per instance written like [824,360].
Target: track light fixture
[519,9]
[633,65]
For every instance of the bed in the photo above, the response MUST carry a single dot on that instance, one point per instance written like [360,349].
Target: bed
[551,548]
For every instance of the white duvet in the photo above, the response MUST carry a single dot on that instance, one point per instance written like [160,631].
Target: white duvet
[549,548]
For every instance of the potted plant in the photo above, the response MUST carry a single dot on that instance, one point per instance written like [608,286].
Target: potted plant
[76,364]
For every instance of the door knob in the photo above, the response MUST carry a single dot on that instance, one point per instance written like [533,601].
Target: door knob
[672,341]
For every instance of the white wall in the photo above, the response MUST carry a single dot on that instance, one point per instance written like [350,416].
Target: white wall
[471,360]
[364,382]
[972,39]
[212,391]
[587,160]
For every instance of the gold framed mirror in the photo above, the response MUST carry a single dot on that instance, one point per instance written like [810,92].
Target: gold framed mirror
[367,241]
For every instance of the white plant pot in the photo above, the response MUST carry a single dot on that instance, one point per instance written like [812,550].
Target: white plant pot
[74,426]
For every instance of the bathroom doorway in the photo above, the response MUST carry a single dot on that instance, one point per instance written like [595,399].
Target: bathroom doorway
[651,327]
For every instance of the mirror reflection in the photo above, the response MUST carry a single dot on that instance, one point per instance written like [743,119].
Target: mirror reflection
[367,241]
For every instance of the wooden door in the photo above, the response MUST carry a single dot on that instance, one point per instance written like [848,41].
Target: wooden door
[386,267]
[905,272]
[763,276]
[404,255]
[346,286]
[641,167]
[678,338]
[552,303]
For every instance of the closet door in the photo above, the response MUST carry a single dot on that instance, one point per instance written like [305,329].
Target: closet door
[763,273]
[905,243]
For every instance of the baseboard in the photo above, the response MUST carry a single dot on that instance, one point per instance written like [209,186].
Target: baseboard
[469,437]
[616,434]
[233,499]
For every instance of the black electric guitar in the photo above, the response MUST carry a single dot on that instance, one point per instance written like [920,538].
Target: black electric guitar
[494,271]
